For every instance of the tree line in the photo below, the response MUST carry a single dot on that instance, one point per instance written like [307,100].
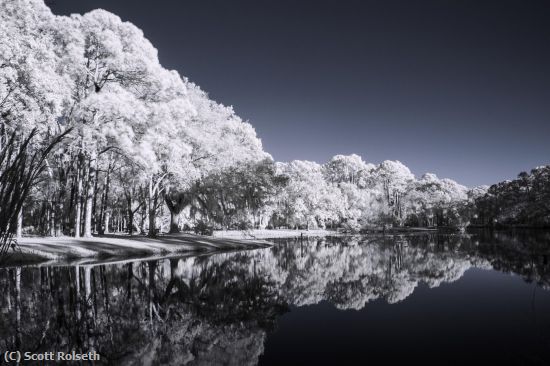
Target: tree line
[146,150]
[524,201]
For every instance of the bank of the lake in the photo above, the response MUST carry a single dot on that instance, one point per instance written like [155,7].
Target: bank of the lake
[66,249]
[303,233]
[272,234]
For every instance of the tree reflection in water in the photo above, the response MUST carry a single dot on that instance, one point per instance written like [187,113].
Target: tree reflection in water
[218,309]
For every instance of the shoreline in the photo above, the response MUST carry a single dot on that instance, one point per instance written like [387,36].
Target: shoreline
[297,233]
[272,234]
[40,250]
[67,250]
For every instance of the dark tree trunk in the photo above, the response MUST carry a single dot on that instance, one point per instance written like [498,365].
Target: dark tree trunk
[90,198]
[78,198]
[130,214]
[173,214]
[105,199]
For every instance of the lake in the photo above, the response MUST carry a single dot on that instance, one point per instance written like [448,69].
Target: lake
[426,298]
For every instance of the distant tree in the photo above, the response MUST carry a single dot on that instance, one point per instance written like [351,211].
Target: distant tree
[432,201]
[391,179]
[347,169]
[308,200]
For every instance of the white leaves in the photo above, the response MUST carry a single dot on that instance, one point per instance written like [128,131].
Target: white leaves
[348,168]
[31,92]
[102,77]
[349,190]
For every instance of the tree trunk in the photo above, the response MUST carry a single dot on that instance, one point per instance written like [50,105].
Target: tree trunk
[152,214]
[58,206]
[52,220]
[130,215]
[173,215]
[19,231]
[105,197]
[58,218]
[143,218]
[89,201]
[78,210]
[102,207]
[69,217]
[94,221]
[174,223]
[153,196]
[106,224]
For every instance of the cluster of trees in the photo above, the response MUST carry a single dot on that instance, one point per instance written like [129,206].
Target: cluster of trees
[148,150]
[140,134]
[19,171]
[346,191]
[524,201]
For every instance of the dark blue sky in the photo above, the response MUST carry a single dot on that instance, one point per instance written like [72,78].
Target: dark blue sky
[459,88]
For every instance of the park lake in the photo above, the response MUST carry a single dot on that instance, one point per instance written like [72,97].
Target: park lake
[427,297]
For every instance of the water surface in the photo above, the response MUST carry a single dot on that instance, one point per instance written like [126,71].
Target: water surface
[435,299]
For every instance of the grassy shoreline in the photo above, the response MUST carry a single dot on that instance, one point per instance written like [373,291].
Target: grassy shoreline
[33,250]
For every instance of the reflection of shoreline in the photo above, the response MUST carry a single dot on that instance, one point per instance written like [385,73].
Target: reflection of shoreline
[219,307]
[352,275]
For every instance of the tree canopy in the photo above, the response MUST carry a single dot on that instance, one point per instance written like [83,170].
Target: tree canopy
[148,150]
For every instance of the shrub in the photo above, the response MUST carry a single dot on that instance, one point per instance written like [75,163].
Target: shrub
[202,228]
[245,225]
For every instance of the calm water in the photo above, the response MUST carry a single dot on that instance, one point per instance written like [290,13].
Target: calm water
[432,299]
